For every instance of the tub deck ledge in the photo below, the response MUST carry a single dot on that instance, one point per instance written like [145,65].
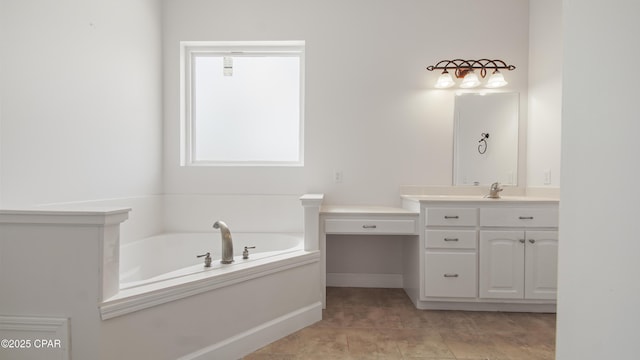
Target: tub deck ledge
[141,297]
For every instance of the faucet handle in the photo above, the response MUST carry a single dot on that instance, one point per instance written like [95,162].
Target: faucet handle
[245,253]
[207,259]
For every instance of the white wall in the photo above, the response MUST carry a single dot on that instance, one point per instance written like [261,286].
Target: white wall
[80,93]
[53,281]
[2,70]
[371,109]
[545,92]
[599,291]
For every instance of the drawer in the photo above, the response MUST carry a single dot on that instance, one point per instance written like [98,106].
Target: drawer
[452,217]
[451,239]
[370,226]
[519,217]
[451,275]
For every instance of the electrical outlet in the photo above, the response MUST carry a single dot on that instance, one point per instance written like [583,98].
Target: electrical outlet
[547,177]
[337,176]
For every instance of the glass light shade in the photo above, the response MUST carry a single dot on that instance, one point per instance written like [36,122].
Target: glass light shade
[445,80]
[470,80]
[496,80]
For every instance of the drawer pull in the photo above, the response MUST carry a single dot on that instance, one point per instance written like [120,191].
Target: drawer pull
[451,275]
[369,226]
[525,217]
[451,239]
[452,217]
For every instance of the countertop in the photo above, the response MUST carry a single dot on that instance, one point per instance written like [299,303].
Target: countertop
[478,198]
[365,210]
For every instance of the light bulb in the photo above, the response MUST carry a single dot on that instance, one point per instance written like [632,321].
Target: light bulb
[496,80]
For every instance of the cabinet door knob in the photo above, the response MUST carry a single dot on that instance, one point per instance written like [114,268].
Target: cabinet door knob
[451,275]
[532,241]
[452,217]
[521,241]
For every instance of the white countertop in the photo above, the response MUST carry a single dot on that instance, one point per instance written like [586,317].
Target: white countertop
[477,198]
[365,209]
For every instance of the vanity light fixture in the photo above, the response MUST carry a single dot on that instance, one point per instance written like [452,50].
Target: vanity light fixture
[464,69]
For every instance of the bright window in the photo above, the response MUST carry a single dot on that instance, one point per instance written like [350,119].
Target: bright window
[243,103]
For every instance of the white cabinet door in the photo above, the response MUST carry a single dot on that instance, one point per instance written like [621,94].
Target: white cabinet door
[502,264]
[541,265]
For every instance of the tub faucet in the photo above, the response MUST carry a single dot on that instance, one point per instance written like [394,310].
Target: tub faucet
[494,191]
[227,242]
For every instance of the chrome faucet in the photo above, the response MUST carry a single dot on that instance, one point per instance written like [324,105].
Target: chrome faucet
[227,242]
[494,191]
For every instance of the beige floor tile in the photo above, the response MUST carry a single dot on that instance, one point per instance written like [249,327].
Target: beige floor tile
[378,324]
[420,343]
[322,341]
[371,343]
[466,346]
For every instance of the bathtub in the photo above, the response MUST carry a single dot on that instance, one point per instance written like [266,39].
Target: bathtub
[226,310]
[170,256]
[165,268]
[180,311]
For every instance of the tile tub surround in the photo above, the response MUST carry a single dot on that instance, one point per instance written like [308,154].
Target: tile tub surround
[366,323]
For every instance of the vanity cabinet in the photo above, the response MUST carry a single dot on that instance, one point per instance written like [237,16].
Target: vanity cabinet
[518,264]
[484,254]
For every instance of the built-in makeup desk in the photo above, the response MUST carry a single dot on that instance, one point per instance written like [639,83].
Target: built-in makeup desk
[362,220]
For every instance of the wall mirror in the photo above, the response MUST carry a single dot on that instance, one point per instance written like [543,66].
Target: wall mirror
[486,139]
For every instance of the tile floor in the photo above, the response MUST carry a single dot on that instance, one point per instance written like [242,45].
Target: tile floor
[361,323]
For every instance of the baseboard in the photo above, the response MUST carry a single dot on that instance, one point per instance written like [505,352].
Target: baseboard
[487,306]
[364,280]
[253,339]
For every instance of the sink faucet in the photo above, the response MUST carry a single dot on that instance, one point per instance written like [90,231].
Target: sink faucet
[494,191]
[227,242]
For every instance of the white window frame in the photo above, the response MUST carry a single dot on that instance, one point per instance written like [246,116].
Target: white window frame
[189,49]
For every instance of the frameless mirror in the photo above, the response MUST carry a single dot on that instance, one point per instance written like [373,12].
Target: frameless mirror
[486,139]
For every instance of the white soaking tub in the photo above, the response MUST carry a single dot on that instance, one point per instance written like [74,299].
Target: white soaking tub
[170,256]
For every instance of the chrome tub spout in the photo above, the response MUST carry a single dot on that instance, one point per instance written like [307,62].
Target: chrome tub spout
[227,242]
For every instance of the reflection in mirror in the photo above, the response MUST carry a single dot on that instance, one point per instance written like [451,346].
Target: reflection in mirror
[486,139]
